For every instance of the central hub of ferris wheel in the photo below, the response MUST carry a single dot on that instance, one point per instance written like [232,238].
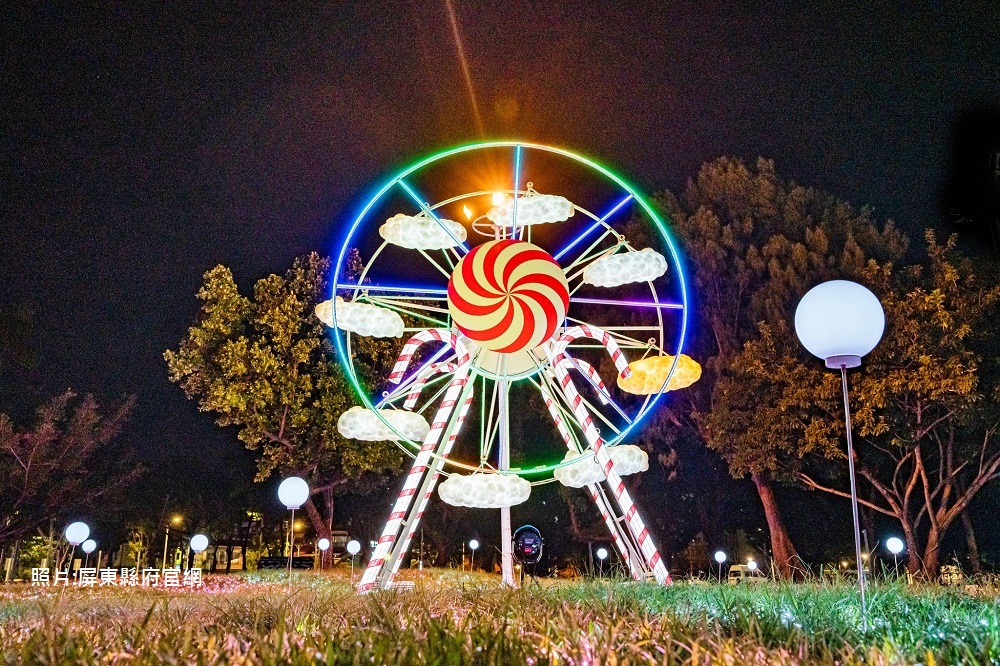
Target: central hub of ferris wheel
[507,297]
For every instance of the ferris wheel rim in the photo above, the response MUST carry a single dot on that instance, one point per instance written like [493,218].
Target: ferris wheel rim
[410,446]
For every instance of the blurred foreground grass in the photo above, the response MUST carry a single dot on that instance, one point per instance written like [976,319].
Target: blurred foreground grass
[454,618]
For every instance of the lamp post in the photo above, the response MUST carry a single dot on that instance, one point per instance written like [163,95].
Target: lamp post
[353,548]
[752,565]
[76,533]
[473,545]
[895,546]
[88,547]
[720,557]
[602,554]
[293,493]
[176,520]
[841,321]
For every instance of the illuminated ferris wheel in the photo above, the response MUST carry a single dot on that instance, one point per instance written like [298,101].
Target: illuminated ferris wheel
[510,272]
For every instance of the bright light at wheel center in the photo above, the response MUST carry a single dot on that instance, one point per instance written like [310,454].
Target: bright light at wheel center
[498,198]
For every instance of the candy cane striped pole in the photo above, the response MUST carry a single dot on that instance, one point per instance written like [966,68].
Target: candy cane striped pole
[632,518]
[420,464]
[418,383]
[414,343]
[592,376]
[599,500]
[431,484]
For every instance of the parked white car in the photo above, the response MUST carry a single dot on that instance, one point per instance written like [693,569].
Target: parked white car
[740,573]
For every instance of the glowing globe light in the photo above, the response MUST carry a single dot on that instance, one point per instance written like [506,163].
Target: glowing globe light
[720,557]
[602,553]
[323,544]
[839,321]
[199,542]
[473,544]
[895,545]
[752,565]
[77,533]
[353,547]
[293,492]
[89,546]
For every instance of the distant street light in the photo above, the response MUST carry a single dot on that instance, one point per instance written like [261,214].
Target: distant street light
[602,554]
[176,520]
[720,557]
[841,321]
[88,547]
[293,493]
[473,545]
[752,565]
[895,546]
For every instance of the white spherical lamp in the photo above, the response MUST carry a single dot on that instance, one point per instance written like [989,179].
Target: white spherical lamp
[602,553]
[752,565]
[323,544]
[89,546]
[293,492]
[353,547]
[895,545]
[720,557]
[199,542]
[839,321]
[473,544]
[77,533]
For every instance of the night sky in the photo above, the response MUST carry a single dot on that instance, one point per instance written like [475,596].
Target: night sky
[141,147]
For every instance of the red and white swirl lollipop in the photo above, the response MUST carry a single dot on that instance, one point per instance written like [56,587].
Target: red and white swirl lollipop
[508,296]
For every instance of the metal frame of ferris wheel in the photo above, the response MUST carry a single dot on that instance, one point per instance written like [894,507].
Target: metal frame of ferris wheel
[612,500]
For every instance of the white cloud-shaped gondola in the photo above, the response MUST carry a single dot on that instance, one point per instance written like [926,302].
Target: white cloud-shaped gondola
[361,318]
[364,424]
[624,268]
[484,491]
[628,459]
[417,232]
[532,209]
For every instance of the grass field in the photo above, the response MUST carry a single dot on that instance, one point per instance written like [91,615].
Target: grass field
[452,618]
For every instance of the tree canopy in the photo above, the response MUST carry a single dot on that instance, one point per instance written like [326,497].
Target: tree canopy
[67,464]
[755,243]
[265,365]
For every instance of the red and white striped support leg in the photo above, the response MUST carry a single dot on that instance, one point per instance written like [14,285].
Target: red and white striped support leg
[634,568]
[632,518]
[431,441]
[414,522]
[422,378]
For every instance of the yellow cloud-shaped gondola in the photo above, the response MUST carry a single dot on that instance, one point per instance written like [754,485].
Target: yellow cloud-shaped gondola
[648,374]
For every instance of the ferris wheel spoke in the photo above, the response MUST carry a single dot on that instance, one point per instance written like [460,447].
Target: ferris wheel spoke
[404,386]
[436,323]
[628,303]
[433,262]
[602,221]
[515,232]
[410,292]
[430,213]
[616,332]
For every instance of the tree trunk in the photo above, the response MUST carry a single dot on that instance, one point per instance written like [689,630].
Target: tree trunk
[782,550]
[970,540]
[932,554]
